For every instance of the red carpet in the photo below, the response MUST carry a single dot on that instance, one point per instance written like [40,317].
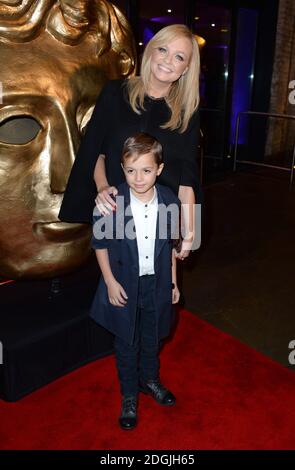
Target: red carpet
[228,397]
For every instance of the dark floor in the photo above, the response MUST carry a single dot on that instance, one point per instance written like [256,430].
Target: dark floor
[241,279]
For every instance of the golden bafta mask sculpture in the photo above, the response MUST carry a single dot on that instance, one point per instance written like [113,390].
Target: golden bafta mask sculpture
[55,57]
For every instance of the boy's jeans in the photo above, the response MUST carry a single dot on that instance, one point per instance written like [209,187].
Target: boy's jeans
[141,359]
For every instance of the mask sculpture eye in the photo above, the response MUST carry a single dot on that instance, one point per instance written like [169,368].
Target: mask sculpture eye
[18,130]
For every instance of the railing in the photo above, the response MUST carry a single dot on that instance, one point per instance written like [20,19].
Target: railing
[201,147]
[249,162]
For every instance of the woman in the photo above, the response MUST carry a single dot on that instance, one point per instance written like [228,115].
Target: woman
[163,102]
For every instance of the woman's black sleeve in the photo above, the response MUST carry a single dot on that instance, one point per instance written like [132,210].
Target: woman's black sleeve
[190,170]
[80,193]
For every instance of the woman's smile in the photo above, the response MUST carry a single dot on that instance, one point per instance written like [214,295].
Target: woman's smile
[164,68]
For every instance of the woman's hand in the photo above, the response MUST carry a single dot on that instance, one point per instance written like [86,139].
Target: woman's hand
[185,250]
[116,293]
[104,201]
[187,197]
[175,294]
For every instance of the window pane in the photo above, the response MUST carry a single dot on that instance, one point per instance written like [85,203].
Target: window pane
[212,24]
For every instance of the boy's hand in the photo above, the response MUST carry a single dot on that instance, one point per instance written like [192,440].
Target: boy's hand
[116,293]
[175,294]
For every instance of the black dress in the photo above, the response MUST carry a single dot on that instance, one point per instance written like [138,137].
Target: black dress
[112,121]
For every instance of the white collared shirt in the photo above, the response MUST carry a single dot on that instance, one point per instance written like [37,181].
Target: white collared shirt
[145,220]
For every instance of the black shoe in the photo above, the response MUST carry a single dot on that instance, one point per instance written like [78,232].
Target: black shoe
[161,394]
[128,418]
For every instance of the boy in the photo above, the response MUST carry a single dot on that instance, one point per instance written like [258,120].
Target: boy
[138,284]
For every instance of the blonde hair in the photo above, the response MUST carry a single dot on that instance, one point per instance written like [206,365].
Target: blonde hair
[183,98]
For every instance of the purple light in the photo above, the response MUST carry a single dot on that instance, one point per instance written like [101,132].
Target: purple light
[147,34]
[219,46]
[166,19]
[242,86]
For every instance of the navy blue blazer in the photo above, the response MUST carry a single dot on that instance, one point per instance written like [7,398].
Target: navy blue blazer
[123,256]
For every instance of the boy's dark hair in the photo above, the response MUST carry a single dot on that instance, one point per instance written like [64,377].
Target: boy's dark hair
[140,144]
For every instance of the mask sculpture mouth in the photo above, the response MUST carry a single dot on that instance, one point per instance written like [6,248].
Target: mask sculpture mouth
[60,231]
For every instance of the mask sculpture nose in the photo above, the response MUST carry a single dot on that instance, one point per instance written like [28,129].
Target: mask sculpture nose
[62,155]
